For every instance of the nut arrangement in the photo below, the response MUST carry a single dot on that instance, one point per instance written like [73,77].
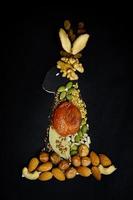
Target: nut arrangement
[85,163]
[66,153]
[69,63]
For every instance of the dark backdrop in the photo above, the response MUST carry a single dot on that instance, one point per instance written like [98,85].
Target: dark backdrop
[30,48]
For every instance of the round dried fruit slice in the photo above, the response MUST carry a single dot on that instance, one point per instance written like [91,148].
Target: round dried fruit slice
[66,119]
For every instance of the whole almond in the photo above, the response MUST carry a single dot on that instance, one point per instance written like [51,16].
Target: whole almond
[44,157]
[84,171]
[104,160]
[58,174]
[45,176]
[33,164]
[45,167]
[96,173]
[94,158]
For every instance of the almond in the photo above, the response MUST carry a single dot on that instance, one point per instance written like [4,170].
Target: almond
[84,171]
[45,176]
[44,157]
[96,173]
[45,167]
[33,164]
[80,43]
[58,174]
[65,42]
[94,158]
[105,161]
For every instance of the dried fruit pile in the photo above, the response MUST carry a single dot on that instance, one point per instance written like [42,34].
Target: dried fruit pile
[67,149]
[49,165]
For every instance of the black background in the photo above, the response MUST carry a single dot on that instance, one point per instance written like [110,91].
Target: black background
[30,48]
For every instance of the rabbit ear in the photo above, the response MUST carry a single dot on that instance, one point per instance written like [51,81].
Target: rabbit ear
[80,43]
[65,42]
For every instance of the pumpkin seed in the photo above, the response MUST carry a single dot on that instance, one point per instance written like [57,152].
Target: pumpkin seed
[69,85]
[62,95]
[80,134]
[61,89]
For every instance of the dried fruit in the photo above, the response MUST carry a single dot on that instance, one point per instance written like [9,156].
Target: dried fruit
[106,170]
[84,171]
[67,24]
[64,165]
[83,150]
[58,174]
[45,167]
[85,161]
[76,161]
[94,158]
[66,44]
[96,173]
[80,43]
[33,164]
[44,157]
[69,115]
[45,176]
[55,158]
[28,175]
[71,173]
[104,160]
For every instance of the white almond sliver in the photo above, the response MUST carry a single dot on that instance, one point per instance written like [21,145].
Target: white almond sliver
[80,43]
[65,42]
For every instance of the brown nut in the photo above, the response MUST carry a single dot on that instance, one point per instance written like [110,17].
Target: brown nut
[84,171]
[96,173]
[104,160]
[85,161]
[58,174]
[94,158]
[83,150]
[45,167]
[44,157]
[76,161]
[64,165]
[45,176]
[33,164]
[71,173]
[55,158]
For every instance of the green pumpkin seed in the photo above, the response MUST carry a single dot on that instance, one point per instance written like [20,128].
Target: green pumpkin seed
[73,152]
[84,128]
[74,148]
[69,85]
[61,89]
[77,138]
[62,95]
[69,97]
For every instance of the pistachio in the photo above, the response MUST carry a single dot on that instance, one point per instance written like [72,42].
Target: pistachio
[74,147]
[62,95]
[77,138]
[61,89]
[73,152]
[69,97]
[69,85]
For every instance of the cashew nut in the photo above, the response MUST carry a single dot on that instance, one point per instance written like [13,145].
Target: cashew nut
[107,170]
[28,175]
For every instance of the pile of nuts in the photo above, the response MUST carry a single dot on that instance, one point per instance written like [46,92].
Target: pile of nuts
[84,163]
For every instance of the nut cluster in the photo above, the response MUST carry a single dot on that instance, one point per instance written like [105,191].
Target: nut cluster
[83,163]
